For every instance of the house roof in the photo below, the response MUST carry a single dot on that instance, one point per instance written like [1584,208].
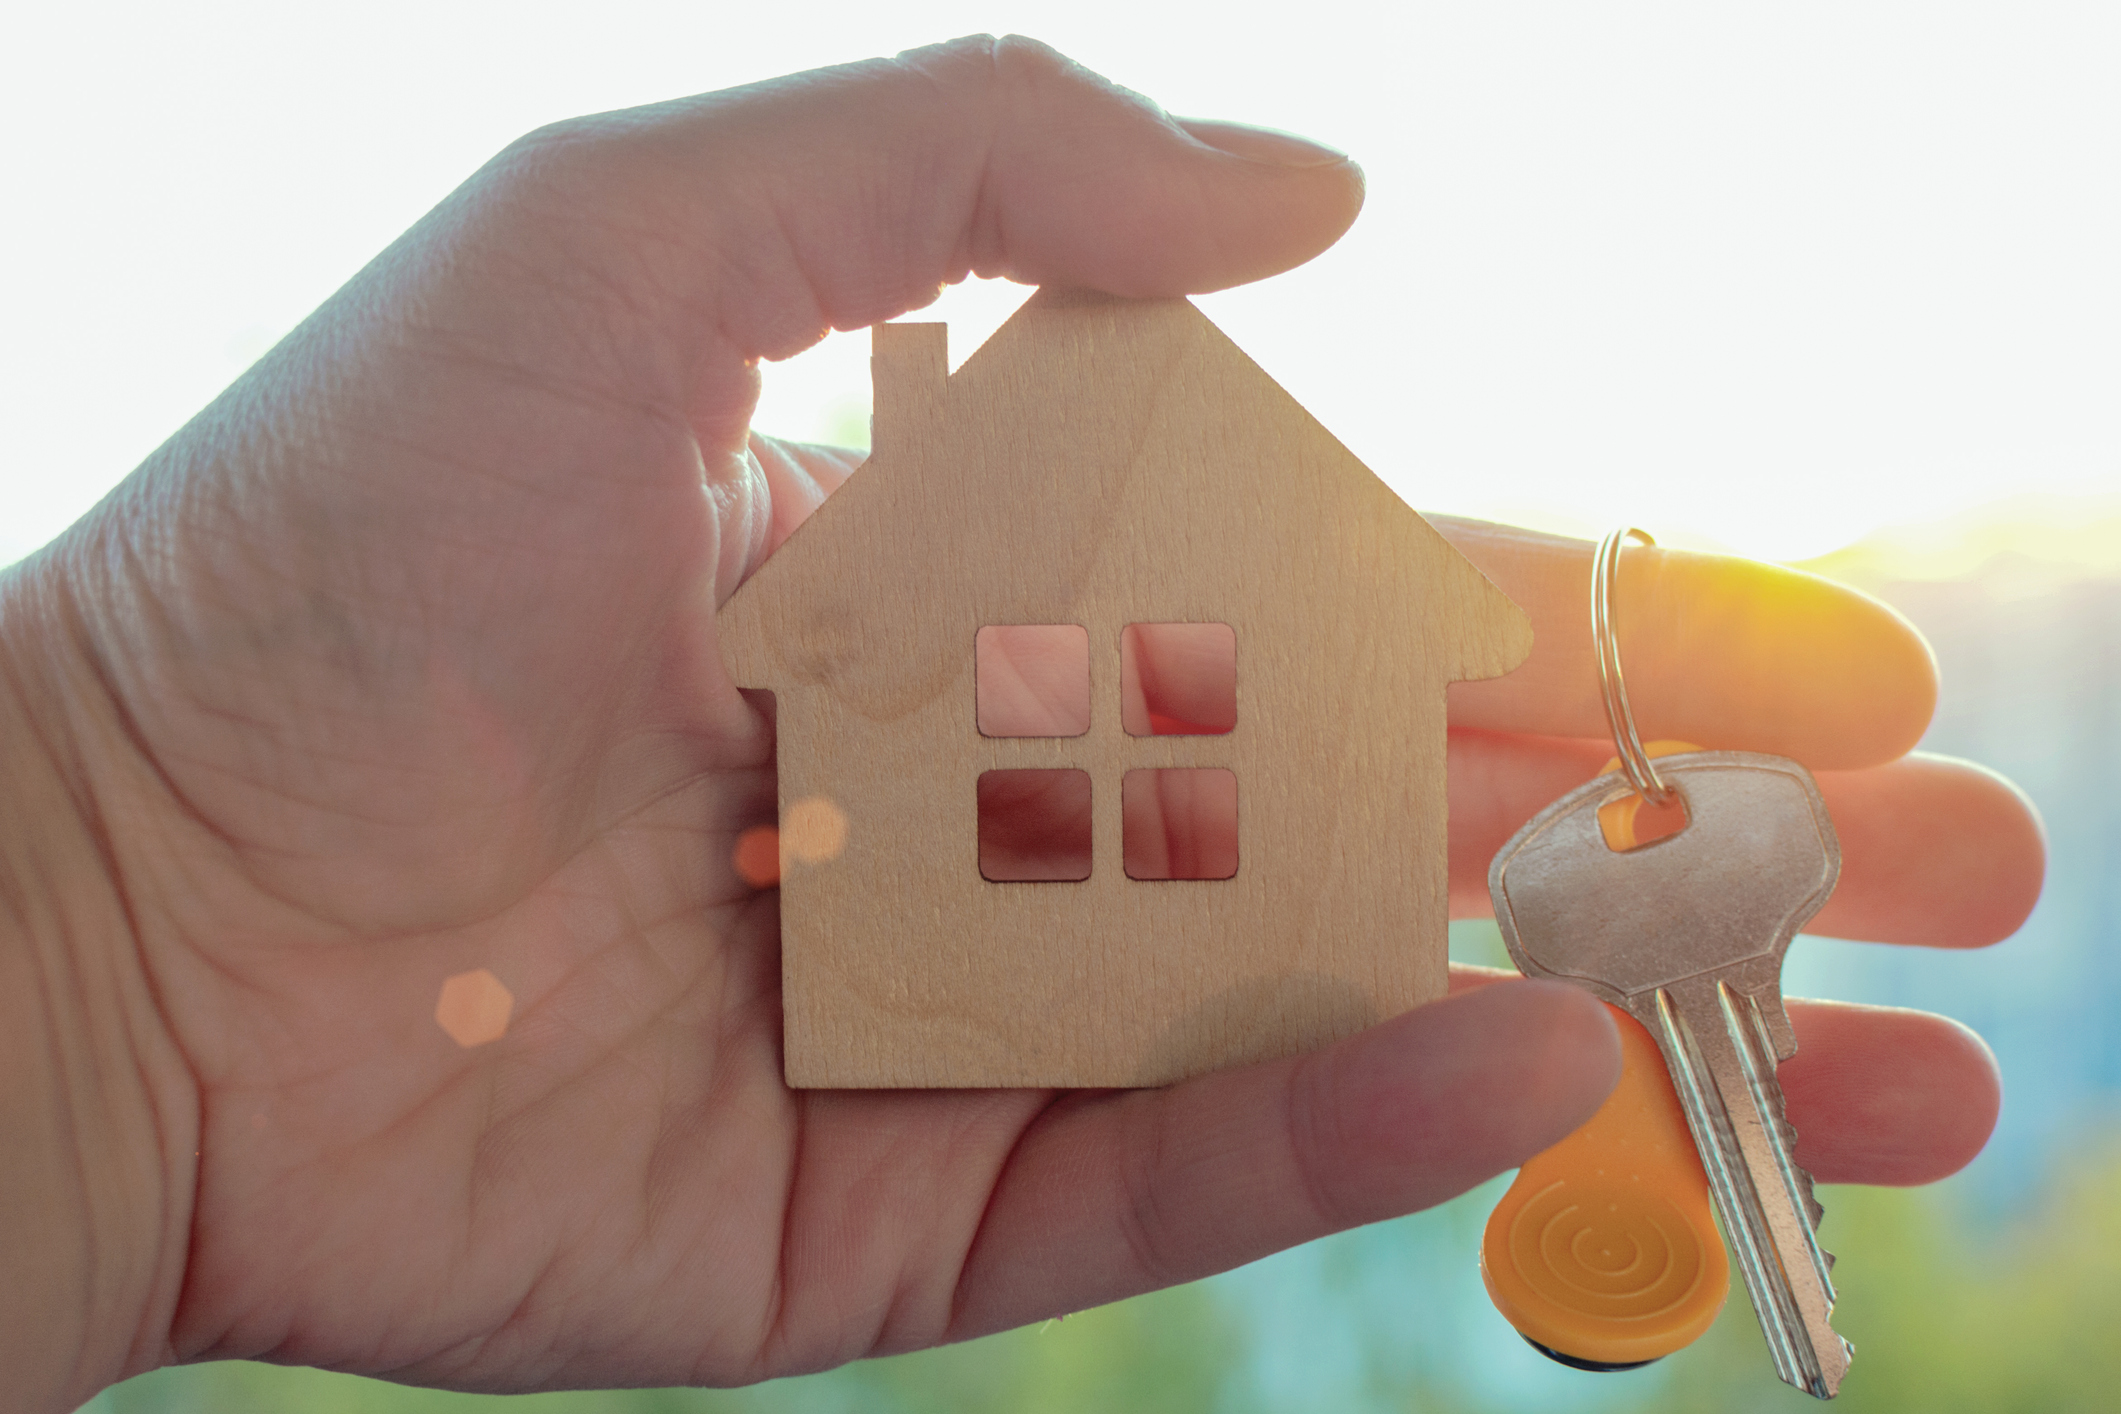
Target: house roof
[1098,447]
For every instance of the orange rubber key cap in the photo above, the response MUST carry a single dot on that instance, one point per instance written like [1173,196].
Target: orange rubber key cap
[1604,1253]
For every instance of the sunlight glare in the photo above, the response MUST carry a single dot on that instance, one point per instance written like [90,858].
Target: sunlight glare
[1607,271]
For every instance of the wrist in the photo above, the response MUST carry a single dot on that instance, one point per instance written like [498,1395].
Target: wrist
[98,1112]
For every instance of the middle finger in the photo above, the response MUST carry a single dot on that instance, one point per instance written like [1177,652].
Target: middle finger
[1933,850]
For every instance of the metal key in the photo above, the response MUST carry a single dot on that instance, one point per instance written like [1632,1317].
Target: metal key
[1687,935]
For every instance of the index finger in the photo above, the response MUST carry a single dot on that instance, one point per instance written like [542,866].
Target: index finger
[1723,652]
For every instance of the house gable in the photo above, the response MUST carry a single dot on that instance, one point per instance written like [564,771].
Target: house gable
[1026,450]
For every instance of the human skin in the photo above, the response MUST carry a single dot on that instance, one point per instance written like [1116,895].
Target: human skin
[399,661]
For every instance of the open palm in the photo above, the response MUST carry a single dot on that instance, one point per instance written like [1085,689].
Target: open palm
[399,663]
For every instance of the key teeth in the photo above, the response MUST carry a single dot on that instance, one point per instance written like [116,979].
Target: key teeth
[1812,1207]
[1771,1084]
[1814,1210]
[1781,1035]
[1775,1030]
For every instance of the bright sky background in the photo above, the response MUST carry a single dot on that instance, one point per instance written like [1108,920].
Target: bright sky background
[1768,276]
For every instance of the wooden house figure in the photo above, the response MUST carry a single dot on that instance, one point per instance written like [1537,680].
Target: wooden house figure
[1099,464]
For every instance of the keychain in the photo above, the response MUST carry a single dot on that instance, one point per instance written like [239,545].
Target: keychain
[1602,1254]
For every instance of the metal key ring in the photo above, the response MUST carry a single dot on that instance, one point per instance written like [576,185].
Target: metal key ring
[1627,741]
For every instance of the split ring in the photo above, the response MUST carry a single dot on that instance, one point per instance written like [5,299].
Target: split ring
[1627,741]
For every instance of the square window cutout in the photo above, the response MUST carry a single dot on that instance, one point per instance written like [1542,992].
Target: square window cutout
[1032,679]
[1178,679]
[1179,823]
[1034,825]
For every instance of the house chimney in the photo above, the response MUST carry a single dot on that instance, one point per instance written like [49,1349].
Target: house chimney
[908,364]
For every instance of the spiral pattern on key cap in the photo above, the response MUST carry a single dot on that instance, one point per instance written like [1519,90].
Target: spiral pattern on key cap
[1609,1250]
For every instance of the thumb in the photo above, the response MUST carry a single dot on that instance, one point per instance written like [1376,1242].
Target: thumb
[1108,1196]
[849,195]
[700,236]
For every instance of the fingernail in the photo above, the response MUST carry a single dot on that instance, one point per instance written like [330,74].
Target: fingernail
[1270,145]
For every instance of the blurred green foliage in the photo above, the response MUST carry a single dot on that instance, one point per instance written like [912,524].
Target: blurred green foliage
[1949,1312]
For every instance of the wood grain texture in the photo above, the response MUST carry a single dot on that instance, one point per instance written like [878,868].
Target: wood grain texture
[1104,462]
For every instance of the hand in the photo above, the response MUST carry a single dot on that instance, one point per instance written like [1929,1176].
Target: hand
[400,662]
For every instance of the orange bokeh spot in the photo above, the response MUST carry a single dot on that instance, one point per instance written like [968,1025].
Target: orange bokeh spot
[474,1008]
[814,830]
[758,856]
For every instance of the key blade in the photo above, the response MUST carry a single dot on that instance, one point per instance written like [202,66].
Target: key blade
[1763,1199]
